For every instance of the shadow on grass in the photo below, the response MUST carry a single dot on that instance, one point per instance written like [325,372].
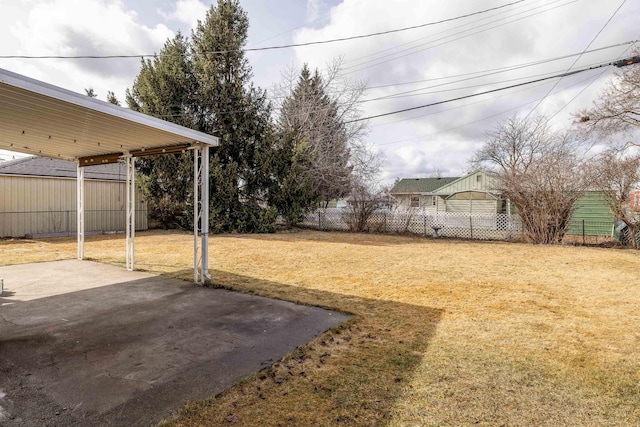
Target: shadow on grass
[332,237]
[352,375]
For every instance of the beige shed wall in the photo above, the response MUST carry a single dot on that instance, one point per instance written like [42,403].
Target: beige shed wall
[472,206]
[42,205]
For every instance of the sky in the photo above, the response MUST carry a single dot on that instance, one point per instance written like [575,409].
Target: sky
[458,49]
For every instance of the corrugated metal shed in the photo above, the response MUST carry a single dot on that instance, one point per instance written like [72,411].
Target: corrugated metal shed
[31,205]
[592,216]
[38,197]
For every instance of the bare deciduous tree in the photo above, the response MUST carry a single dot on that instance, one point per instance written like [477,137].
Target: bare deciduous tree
[616,176]
[617,110]
[541,171]
[364,201]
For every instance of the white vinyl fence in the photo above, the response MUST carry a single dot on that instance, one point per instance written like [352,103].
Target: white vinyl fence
[480,226]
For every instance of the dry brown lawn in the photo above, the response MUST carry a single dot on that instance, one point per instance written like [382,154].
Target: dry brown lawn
[444,333]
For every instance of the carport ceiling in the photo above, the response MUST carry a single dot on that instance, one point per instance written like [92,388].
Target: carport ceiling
[45,120]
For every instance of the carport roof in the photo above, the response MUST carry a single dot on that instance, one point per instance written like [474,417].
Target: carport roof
[46,120]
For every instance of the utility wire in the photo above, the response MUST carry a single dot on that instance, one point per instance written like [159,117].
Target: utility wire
[397,96]
[577,59]
[412,50]
[467,123]
[503,69]
[454,29]
[584,88]
[393,97]
[570,73]
[255,49]
[324,15]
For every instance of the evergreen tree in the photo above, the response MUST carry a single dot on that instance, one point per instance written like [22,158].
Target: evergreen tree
[238,113]
[205,84]
[315,119]
[292,188]
[112,99]
[165,88]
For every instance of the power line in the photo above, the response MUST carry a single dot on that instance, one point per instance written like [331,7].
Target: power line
[394,56]
[401,95]
[324,15]
[584,88]
[457,107]
[570,73]
[420,91]
[502,69]
[578,58]
[472,122]
[255,49]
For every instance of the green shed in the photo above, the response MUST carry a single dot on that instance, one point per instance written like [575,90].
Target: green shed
[592,216]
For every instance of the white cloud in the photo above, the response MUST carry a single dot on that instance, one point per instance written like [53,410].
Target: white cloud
[82,27]
[314,9]
[435,138]
[187,12]
[523,33]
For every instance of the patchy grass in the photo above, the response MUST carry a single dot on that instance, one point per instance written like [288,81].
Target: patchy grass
[444,332]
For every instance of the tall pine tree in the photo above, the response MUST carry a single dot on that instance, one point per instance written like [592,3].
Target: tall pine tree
[205,83]
[315,119]
[238,113]
[165,89]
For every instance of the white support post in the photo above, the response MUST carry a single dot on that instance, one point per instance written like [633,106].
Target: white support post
[80,210]
[131,211]
[204,207]
[197,152]
[201,213]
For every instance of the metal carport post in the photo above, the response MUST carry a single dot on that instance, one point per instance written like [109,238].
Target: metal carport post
[200,212]
[45,120]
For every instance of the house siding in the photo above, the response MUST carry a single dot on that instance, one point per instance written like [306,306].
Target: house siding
[470,183]
[403,201]
[46,205]
[472,206]
[591,215]
[477,182]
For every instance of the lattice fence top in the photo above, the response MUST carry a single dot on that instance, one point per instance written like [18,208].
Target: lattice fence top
[449,224]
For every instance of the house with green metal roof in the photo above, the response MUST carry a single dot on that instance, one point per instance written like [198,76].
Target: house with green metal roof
[478,193]
[419,192]
[475,192]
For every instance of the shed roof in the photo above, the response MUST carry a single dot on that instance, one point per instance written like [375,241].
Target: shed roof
[57,168]
[420,185]
[46,120]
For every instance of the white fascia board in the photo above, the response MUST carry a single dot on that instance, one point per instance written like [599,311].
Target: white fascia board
[45,89]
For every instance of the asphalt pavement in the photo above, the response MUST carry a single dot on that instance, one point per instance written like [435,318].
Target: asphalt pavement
[83,343]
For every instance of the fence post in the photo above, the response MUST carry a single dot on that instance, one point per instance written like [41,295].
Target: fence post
[583,237]
[471,225]
[425,223]
[386,230]
[68,228]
